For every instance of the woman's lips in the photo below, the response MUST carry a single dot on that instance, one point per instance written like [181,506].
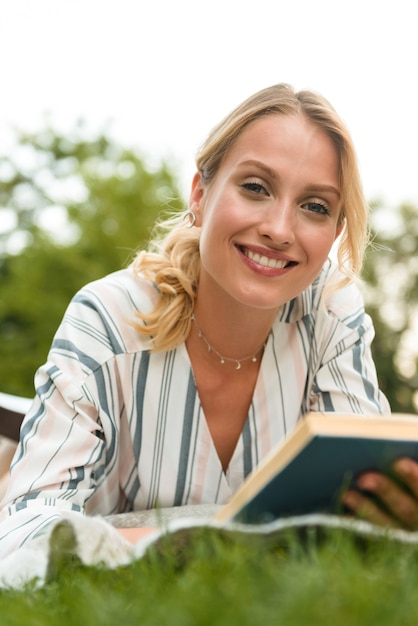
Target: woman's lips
[266,260]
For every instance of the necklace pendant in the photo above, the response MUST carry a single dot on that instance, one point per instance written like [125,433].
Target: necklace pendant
[224,359]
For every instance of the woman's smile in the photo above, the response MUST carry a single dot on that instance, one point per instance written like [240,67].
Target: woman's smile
[265,259]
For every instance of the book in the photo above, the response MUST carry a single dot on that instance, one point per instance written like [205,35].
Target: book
[307,472]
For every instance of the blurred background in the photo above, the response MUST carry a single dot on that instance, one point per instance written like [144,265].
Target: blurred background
[104,104]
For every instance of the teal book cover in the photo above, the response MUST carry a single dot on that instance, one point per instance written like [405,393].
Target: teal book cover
[313,480]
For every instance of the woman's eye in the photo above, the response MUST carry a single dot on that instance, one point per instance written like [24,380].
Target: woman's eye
[317,207]
[254,187]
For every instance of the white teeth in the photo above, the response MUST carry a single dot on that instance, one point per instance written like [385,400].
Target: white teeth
[265,260]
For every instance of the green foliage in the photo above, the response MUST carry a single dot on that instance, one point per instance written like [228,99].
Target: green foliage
[107,202]
[391,276]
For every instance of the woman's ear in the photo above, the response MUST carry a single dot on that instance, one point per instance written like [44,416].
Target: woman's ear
[196,196]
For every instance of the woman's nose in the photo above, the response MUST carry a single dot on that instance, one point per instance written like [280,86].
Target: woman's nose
[279,224]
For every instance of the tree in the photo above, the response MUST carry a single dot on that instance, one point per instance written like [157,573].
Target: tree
[76,209]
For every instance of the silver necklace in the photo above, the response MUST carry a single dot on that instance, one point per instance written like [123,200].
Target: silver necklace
[222,358]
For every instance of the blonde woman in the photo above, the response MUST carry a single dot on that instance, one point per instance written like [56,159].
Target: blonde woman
[168,381]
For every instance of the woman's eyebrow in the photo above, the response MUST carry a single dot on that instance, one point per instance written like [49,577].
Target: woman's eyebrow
[323,188]
[262,166]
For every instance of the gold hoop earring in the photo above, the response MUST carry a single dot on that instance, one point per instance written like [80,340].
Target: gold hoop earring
[191,217]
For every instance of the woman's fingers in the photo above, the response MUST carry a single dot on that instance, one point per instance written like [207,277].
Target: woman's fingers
[365,508]
[407,470]
[399,507]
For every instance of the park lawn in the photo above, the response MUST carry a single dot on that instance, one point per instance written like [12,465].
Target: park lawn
[210,578]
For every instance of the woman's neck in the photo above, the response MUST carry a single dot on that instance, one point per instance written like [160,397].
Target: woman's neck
[230,331]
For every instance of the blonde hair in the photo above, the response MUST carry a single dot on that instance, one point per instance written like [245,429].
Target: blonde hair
[172,261]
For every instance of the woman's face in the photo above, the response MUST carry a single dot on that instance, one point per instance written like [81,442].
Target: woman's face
[270,216]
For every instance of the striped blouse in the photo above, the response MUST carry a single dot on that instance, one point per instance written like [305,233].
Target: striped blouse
[115,428]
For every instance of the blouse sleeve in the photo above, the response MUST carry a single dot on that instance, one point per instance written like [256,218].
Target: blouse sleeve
[346,379]
[68,450]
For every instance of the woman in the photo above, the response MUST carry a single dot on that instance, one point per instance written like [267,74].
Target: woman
[168,381]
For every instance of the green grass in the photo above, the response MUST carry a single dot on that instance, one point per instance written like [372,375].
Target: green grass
[210,578]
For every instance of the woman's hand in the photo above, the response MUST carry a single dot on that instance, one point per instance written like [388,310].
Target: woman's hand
[399,505]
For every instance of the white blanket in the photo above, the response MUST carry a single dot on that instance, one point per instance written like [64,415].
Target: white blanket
[94,541]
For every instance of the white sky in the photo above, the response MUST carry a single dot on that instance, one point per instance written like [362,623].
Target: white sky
[165,71]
